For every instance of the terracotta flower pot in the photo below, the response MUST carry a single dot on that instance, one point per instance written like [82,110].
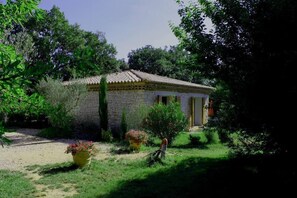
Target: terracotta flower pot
[135,145]
[82,158]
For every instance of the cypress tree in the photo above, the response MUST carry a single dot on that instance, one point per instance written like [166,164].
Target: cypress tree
[103,112]
[124,126]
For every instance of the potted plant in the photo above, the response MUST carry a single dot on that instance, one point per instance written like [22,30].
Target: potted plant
[136,139]
[82,152]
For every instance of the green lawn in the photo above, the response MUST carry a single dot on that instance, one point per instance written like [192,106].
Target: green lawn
[14,184]
[186,172]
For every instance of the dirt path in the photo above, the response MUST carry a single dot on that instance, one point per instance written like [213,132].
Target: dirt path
[28,149]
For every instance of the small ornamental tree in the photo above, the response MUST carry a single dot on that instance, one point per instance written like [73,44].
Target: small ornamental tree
[62,102]
[165,121]
[103,112]
[124,126]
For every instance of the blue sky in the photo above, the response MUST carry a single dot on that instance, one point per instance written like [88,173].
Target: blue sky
[127,24]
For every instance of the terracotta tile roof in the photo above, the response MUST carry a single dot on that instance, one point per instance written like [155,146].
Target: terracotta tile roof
[136,76]
[162,79]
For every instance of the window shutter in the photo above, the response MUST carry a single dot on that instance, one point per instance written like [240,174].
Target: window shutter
[210,108]
[191,110]
[158,99]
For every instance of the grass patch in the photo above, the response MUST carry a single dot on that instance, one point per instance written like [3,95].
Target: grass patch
[186,172]
[14,184]
[110,177]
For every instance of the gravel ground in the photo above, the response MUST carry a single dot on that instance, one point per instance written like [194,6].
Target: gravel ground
[27,149]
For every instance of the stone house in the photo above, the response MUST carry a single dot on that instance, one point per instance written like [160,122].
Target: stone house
[128,89]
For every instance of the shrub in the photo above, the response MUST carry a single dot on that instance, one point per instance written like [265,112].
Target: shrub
[136,136]
[3,140]
[165,121]
[242,143]
[62,101]
[194,140]
[212,135]
[198,140]
[107,135]
[136,139]
[124,127]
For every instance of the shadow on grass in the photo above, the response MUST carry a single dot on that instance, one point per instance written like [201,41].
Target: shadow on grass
[58,168]
[206,177]
[190,146]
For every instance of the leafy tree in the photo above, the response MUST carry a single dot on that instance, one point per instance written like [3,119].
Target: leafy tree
[63,50]
[173,62]
[251,50]
[13,75]
[22,42]
[62,101]
[12,70]
[103,111]
[148,59]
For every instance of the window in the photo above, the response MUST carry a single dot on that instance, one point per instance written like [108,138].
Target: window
[166,99]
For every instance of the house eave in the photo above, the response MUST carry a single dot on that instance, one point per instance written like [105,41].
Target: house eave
[152,86]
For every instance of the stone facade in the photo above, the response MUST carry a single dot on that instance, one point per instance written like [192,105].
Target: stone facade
[118,100]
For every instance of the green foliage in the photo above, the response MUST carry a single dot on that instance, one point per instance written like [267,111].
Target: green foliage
[244,144]
[3,140]
[22,42]
[17,12]
[14,76]
[212,135]
[198,140]
[15,100]
[124,126]
[245,50]
[107,135]
[136,116]
[63,50]
[166,121]
[103,106]
[15,184]
[62,101]
[173,62]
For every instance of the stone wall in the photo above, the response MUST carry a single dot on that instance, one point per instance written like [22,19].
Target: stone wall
[119,100]
[88,115]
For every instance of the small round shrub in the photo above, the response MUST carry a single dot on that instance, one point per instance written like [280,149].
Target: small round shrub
[212,135]
[107,135]
[198,140]
[136,136]
[165,121]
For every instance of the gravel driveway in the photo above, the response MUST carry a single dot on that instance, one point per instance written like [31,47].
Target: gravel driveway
[28,149]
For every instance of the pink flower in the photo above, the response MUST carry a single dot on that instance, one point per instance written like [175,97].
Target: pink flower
[81,146]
